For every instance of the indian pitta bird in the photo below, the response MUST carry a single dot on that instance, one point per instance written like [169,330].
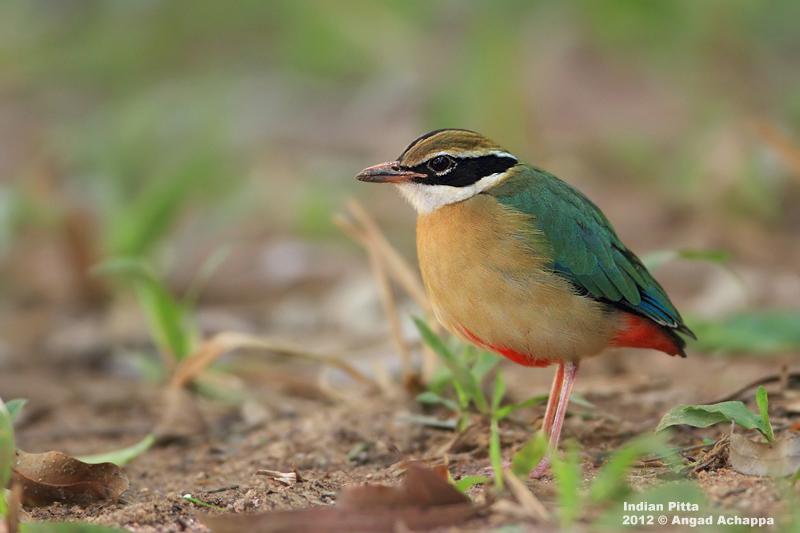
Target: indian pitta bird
[518,262]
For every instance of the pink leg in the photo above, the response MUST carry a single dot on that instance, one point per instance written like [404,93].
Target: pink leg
[565,375]
[552,399]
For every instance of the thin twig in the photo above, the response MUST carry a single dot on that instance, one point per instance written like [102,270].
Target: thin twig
[405,275]
[363,229]
[390,309]
[209,351]
[368,241]
[772,378]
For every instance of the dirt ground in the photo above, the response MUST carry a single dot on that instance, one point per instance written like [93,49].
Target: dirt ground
[354,440]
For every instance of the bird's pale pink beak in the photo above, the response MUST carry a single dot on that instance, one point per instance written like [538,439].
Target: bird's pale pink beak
[389,172]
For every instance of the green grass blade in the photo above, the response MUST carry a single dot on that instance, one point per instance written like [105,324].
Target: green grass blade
[463,378]
[431,398]
[611,481]
[14,408]
[526,459]
[754,331]
[506,410]
[122,456]
[7,453]
[201,503]
[567,473]
[165,315]
[484,363]
[467,482]
[499,392]
[654,260]
[496,454]
[763,409]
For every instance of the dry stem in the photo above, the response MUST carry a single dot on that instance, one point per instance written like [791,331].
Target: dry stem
[210,350]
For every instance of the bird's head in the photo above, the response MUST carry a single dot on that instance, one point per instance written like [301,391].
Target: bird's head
[443,167]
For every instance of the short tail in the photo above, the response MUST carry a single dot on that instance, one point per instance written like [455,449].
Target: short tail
[641,332]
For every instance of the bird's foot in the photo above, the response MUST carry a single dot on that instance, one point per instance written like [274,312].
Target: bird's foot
[541,470]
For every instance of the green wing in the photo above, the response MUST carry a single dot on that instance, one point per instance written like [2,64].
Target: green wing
[586,250]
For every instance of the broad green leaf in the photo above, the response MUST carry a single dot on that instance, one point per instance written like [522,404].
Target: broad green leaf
[14,408]
[467,482]
[567,473]
[463,377]
[766,331]
[702,416]
[66,527]
[763,409]
[496,454]
[122,456]
[529,456]
[611,481]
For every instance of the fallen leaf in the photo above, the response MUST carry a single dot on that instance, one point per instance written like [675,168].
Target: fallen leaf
[423,501]
[776,459]
[702,416]
[421,487]
[56,477]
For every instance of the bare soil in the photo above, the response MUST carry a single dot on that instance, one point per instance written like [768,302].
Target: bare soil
[358,439]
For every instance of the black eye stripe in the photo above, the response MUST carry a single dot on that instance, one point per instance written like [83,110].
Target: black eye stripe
[467,170]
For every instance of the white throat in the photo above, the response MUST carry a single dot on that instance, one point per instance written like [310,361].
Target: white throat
[428,198]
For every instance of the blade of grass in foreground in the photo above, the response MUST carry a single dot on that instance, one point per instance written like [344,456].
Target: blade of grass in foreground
[122,456]
[462,376]
[166,316]
[7,448]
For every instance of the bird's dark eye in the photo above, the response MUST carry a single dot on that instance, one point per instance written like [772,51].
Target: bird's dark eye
[441,164]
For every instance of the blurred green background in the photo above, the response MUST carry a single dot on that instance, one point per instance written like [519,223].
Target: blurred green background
[163,130]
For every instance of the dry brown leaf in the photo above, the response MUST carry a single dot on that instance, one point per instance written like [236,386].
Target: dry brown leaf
[423,501]
[777,459]
[56,477]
